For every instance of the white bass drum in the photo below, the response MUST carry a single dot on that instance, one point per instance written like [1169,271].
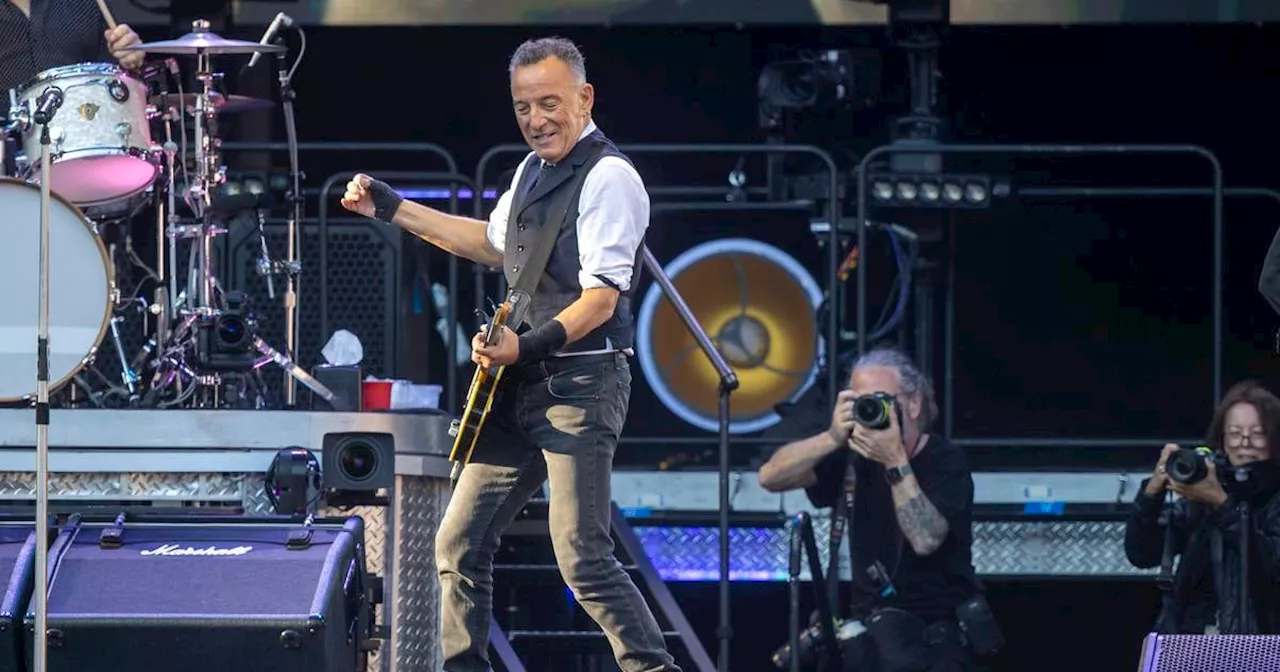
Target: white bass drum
[81,289]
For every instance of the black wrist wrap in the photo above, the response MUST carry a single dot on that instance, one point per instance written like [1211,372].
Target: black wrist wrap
[542,341]
[385,200]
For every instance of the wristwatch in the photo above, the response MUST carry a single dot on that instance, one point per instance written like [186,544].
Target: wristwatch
[895,474]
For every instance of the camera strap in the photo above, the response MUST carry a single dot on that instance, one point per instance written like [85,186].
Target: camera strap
[839,521]
[1165,578]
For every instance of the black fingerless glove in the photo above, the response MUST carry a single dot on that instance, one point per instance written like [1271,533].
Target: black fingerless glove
[385,200]
[541,341]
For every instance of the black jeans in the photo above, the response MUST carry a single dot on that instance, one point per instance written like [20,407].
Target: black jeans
[557,422]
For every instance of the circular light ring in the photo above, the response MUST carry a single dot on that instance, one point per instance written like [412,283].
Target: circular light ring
[644,336]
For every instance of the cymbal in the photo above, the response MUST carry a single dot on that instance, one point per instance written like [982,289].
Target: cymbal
[203,42]
[221,104]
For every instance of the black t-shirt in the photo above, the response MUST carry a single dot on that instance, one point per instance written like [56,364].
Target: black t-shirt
[929,586]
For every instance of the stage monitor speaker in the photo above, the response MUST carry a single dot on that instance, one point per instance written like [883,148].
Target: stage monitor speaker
[206,596]
[759,306]
[1210,653]
[18,562]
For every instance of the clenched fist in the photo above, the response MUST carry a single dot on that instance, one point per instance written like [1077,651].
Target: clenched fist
[357,199]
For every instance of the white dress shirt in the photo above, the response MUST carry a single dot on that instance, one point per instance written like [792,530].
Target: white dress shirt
[613,215]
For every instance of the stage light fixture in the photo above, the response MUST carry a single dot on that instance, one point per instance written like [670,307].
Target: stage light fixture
[292,482]
[939,190]
[758,305]
[822,80]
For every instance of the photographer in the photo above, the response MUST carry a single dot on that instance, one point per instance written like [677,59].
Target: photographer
[1204,524]
[908,498]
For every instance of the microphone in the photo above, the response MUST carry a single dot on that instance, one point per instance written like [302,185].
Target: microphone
[282,20]
[47,104]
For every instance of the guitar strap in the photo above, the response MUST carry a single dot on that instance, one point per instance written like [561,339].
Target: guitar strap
[527,278]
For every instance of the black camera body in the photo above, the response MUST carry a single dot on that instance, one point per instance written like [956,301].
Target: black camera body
[1187,465]
[872,410]
[224,342]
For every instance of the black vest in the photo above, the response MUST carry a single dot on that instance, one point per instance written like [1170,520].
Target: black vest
[559,284]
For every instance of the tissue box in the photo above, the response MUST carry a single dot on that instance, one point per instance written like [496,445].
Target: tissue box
[344,382]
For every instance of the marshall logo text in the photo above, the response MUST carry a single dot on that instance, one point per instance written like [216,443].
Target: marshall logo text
[176,550]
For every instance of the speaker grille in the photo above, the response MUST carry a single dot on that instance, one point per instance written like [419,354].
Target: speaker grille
[160,572]
[1216,653]
[363,282]
[100,584]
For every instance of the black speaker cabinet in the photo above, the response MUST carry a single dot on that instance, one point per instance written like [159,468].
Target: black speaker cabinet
[1210,653]
[18,563]
[207,596]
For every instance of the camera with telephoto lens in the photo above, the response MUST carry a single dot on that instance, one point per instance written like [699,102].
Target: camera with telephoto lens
[1187,465]
[872,410]
[811,644]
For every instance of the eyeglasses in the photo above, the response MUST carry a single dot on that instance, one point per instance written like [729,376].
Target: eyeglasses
[1236,437]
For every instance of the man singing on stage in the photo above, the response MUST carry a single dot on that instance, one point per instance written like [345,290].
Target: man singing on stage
[563,400]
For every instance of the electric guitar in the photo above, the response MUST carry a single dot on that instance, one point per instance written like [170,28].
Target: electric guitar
[484,384]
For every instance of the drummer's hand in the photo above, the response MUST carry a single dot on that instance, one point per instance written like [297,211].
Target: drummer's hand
[357,199]
[120,37]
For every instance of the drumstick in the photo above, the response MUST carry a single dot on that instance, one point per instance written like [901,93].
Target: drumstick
[106,13]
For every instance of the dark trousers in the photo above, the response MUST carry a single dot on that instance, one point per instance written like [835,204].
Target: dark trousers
[940,648]
[557,422]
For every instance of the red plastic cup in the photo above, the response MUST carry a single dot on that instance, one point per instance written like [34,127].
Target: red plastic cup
[376,395]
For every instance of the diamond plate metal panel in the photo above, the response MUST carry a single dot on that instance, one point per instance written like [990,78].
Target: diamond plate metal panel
[130,487]
[419,506]
[1057,548]
[255,500]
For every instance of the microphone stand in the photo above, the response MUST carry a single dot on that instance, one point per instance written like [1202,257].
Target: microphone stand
[1245,492]
[1243,506]
[728,383]
[41,593]
[292,264]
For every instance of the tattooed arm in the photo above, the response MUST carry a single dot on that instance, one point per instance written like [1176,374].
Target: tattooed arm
[923,526]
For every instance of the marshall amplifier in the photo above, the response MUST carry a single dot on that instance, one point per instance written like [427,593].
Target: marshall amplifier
[18,565]
[205,596]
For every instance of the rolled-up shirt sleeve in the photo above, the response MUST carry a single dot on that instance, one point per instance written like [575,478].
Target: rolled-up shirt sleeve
[613,215]
[496,231]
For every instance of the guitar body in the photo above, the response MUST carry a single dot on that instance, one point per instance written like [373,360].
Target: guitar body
[484,386]
[466,430]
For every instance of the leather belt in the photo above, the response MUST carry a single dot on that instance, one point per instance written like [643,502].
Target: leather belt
[553,365]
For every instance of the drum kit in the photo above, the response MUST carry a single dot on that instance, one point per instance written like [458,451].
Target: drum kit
[107,164]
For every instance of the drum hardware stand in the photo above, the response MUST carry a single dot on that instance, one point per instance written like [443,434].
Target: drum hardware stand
[205,334]
[166,216]
[51,99]
[291,268]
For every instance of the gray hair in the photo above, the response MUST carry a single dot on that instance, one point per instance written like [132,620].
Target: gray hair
[539,50]
[913,380]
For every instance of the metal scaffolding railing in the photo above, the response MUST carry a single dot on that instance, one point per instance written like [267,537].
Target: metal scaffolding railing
[683,198]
